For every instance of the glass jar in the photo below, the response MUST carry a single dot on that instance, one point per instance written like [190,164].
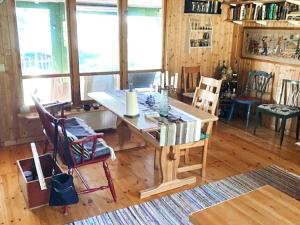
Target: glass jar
[164,103]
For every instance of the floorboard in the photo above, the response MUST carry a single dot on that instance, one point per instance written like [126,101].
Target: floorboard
[232,150]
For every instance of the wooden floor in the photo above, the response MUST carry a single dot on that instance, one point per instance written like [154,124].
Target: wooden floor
[231,151]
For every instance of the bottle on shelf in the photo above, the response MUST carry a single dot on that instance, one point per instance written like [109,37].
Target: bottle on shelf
[224,71]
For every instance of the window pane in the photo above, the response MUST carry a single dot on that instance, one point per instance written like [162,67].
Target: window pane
[43,37]
[144,80]
[144,34]
[98,36]
[98,83]
[47,89]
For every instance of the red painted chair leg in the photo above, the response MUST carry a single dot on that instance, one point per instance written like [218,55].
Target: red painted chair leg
[65,210]
[46,144]
[110,182]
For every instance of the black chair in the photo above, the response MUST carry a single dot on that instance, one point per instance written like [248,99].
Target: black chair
[286,108]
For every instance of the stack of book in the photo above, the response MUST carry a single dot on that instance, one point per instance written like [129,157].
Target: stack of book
[177,133]
[271,11]
[203,6]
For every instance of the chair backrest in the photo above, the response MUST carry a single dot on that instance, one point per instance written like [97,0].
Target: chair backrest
[48,121]
[46,118]
[190,78]
[257,83]
[290,91]
[207,94]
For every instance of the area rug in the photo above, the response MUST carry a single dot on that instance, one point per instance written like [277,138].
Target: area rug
[175,209]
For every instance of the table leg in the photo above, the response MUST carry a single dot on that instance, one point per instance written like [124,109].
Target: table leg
[169,162]
[298,126]
[125,138]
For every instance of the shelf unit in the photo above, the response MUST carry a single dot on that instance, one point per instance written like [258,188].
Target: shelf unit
[262,12]
[212,7]
[199,34]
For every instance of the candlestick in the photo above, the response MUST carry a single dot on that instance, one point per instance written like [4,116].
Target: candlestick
[162,79]
[172,80]
[176,80]
[167,78]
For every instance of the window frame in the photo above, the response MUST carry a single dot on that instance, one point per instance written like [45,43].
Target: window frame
[74,74]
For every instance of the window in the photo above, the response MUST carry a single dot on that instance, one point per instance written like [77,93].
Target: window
[43,45]
[98,45]
[95,35]
[98,83]
[144,34]
[98,36]
[144,79]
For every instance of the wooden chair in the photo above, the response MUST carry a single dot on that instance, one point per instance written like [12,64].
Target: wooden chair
[257,83]
[76,149]
[287,107]
[205,98]
[190,80]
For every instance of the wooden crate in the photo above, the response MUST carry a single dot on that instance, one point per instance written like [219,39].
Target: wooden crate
[34,196]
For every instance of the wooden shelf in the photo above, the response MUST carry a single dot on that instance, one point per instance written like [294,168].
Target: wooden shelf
[264,22]
[202,47]
[73,112]
[296,2]
[195,30]
[248,10]
[257,2]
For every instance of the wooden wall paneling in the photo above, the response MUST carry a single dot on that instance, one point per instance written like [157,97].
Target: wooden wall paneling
[73,50]
[279,70]
[10,79]
[123,10]
[176,52]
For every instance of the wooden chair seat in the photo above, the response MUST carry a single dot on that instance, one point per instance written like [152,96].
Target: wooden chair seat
[77,129]
[279,109]
[286,108]
[78,145]
[247,99]
[189,95]
[205,98]
[257,84]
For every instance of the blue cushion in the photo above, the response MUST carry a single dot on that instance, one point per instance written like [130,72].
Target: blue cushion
[279,109]
[77,129]
[204,136]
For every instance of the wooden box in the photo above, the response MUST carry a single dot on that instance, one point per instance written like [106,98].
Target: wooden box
[34,196]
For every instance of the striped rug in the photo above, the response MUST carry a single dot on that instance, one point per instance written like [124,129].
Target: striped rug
[175,209]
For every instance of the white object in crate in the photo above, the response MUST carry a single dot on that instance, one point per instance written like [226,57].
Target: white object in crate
[38,167]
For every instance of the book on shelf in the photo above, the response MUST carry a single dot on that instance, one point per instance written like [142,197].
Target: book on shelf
[268,11]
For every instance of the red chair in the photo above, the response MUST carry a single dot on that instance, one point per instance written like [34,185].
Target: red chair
[78,144]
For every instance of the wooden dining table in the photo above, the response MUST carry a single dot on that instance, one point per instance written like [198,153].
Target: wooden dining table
[115,101]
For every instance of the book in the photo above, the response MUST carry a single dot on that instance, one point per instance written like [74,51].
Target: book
[163,135]
[171,134]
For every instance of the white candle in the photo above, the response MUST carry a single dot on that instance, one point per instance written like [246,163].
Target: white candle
[162,80]
[176,80]
[172,80]
[167,78]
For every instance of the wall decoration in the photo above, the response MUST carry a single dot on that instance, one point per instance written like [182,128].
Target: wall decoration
[272,44]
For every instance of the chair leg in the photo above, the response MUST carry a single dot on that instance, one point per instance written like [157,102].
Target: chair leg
[110,182]
[276,123]
[204,156]
[187,156]
[46,144]
[232,109]
[282,130]
[298,126]
[257,120]
[248,114]
[156,159]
